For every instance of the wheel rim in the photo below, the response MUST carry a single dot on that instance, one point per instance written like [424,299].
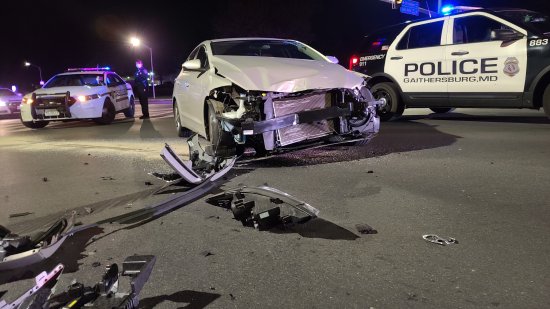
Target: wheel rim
[384,95]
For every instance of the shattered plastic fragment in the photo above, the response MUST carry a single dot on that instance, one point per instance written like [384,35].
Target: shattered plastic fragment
[443,241]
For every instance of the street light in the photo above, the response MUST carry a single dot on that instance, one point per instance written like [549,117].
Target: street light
[136,42]
[28,64]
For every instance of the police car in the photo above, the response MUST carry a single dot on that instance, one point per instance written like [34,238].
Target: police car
[474,57]
[84,93]
[9,102]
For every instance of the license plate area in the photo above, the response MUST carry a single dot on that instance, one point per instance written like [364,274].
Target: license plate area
[51,113]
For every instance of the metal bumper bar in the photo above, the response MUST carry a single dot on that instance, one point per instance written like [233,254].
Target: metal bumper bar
[258,127]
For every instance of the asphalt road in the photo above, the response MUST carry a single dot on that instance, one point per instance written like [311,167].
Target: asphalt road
[480,176]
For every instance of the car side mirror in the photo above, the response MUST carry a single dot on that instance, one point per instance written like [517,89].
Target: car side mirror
[506,35]
[193,65]
[332,59]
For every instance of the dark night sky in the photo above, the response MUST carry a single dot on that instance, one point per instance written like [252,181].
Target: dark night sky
[60,34]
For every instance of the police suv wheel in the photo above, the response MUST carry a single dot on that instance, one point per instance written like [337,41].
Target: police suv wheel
[388,93]
[546,101]
[108,114]
[442,110]
[35,125]
[131,110]
[180,129]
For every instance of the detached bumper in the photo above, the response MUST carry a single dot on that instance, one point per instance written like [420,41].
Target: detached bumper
[259,127]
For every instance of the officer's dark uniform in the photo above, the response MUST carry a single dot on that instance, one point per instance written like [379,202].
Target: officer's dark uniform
[140,89]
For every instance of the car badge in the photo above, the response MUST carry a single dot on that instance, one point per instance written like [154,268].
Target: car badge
[511,66]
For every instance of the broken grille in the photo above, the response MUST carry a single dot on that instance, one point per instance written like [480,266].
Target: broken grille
[304,131]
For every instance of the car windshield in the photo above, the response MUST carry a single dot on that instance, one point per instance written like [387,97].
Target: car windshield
[75,80]
[532,21]
[6,93]
[265,48]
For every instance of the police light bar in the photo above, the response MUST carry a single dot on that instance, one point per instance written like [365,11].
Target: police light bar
[88,69]
[451,9]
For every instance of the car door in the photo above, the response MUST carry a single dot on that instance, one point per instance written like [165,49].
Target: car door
[416,59]
[118,91]
[488,72]
[191,90]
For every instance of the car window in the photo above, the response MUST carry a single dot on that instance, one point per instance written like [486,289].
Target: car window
[201,55]
[117,79]
[421,36]
[475,29]
[92,80]
[193,54]
[265,48]
[112,80]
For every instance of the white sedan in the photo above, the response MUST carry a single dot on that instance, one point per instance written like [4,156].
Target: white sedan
[272,95]
[92,93]
[9,102]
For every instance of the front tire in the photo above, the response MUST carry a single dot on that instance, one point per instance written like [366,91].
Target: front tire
[394,106]
[35,125]
[223,144]
[108,114]
[546,101]
[131,110]
[442,110]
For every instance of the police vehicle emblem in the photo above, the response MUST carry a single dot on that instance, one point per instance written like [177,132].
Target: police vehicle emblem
[511,66]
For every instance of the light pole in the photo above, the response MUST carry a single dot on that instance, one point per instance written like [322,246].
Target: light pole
[136,42]
[28,64]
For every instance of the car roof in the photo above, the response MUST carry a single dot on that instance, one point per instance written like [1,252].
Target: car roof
[405,24]
[247,39]
[85,72]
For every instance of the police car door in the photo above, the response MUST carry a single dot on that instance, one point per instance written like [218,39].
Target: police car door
[118,95]
[486,71]
[416,59]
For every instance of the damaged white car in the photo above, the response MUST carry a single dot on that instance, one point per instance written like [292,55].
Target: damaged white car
[271,95]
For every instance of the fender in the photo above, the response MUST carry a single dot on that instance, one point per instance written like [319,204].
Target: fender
[384,76]
[530,94]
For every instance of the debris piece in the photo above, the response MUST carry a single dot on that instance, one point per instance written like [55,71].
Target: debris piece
[107,178]
[20,214]
[44,280]
[148,183]
[365,229]
[20,251]
[88,210]
[212,288]
[85,163]
[201,165]
[45,179]
[370,172]
[443,241]
[104,294]
[166,177]
[264,207]
[96,264]
[232,296]
[206,253]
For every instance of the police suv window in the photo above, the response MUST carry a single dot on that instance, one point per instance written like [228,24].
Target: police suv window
[474,29]
[421,36]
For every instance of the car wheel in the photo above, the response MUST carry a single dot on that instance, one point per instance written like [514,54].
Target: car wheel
[180,129]
[442,110]
[108,114]
[35,125]
[388,93]
[222,142]
[131,110]
[546,101]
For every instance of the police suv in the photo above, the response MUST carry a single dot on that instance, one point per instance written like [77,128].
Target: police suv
[84,93]
[497,58]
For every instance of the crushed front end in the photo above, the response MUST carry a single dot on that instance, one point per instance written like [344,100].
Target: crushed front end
[272,122]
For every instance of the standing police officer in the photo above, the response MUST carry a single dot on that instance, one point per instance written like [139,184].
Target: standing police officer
[140,88]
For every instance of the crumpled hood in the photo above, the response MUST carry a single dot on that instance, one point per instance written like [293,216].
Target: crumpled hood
[74,90]
[284,74]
